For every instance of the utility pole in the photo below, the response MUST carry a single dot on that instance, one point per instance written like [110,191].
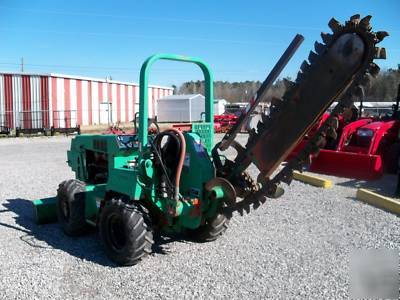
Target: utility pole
[22,64]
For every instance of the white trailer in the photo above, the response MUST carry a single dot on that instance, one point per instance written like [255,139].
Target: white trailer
[180,108]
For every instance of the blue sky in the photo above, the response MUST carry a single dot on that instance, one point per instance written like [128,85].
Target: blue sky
[241,40]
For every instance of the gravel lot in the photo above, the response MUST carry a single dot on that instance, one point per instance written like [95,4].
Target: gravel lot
[297,246]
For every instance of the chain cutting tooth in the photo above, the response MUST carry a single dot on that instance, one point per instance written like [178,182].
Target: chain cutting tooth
[319,48]
[260,126]
[326,37]
[312,57]
[288,83]
[365,22]
[373,69]
[300,77]
[380,53]
[275,101]
[380,35]
[252,136]
[288,178]
[276,105]
[305,67]
[334,25]
[351,23]
[355,18]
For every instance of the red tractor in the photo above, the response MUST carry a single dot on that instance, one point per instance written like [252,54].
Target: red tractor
[364,149]
[224,122]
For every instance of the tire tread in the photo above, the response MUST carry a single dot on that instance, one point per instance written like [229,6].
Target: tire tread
[140,239]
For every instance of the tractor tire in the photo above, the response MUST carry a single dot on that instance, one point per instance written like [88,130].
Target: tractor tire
[211,230]
[126,232]
[391,160]
[71,207]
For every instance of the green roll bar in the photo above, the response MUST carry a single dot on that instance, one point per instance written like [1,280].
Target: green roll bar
[144,93]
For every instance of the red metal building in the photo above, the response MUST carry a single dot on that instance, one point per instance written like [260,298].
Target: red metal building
[45,100]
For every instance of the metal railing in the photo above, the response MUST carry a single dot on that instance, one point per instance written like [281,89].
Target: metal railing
[6,122]
[65,119]
[38,119]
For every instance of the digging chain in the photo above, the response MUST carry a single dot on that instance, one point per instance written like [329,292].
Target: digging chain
[249,185]
[255,195]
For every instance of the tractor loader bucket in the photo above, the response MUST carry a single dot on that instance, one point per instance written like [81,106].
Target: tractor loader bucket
[347,164]
[45,210]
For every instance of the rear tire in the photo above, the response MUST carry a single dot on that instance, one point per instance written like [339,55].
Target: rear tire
[71,207]
[125,231]
[211,230]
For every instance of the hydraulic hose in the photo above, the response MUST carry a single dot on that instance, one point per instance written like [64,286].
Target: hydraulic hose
[181,160]
[180,139]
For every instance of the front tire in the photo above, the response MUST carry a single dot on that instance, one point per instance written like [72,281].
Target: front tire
[71,207]
[125,232]
[211,230]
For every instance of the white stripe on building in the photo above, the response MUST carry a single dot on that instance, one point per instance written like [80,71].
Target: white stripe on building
[17,100]
[95,103]
[73,103]
[2,103]
[60,104]
[85,103]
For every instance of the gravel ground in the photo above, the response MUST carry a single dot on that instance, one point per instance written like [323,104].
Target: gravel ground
[297,246]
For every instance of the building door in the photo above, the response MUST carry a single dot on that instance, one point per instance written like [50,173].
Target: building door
[105,113]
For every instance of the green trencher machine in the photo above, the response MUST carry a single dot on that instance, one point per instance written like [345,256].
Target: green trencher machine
[142,182]
[132,186]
